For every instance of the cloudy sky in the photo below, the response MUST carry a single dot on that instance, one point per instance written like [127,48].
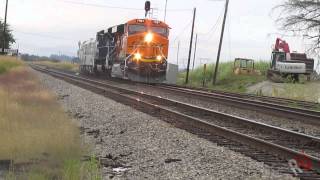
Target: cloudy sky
[45,27]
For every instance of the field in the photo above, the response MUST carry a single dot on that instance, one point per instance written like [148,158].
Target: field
[35,133]
[226,80]
[59,65]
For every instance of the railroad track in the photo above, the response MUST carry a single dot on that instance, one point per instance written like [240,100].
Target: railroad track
[272,145]
[267,105]
[263,104]
[276,100]
[276,109]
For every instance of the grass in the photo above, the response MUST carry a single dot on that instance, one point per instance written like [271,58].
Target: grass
[59,65]
[226,80]
[7,63]
[35,132]
[308,91]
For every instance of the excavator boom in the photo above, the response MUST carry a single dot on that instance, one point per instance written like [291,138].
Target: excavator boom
[282,45]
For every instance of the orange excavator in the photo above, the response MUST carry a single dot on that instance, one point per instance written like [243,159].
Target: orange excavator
[286,64]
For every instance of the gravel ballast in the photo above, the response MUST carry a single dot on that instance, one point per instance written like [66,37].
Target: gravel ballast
[137,146]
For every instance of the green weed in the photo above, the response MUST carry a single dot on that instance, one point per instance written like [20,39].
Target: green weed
[226,80]
[7,63]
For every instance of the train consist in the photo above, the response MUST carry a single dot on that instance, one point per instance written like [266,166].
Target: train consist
[136,50]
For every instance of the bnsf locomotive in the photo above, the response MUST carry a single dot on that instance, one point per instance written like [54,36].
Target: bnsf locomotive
[136,50]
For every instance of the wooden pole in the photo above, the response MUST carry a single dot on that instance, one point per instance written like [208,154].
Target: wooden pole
[4,28]
[165,11]
[220,44]
[204,75]
[195,51]
[190,48]
[178,53]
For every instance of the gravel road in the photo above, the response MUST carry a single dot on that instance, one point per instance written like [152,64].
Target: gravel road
[138,146]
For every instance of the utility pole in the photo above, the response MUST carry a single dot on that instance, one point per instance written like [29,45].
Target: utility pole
[165,11]
[195,51]
[178,52]
[220,44]
[4,27]
[190,48]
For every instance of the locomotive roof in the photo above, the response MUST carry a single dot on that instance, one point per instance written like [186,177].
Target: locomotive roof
[148,22]
[120,27]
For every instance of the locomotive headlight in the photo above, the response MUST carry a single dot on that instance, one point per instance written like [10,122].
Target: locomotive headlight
[159,58]
[137,56]
[148,38]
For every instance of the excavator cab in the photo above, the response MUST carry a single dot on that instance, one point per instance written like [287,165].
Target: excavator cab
[277,56]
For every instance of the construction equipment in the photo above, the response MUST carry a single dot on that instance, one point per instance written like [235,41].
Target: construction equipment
[244,66]
[286,65]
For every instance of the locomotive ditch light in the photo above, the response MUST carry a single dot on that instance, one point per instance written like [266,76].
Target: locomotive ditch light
[137,56]
[159,58]
[149,37]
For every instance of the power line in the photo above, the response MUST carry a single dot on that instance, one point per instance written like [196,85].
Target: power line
[116,7]
[101,6]
[212,30]
[183,30]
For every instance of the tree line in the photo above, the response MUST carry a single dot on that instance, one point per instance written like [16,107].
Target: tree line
[53,57]
[9,39]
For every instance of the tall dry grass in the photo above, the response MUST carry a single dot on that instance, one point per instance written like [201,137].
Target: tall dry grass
[34,129]
[8,62]
[32,123]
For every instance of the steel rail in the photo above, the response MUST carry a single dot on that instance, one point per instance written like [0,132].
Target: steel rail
[278,100]
[125,95]
[299,114]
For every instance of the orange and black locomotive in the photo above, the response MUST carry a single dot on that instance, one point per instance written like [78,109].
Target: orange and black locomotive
[136,50]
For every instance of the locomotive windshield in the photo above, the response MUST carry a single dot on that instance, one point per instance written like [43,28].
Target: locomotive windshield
[133,29]
[160,30]
[137,28]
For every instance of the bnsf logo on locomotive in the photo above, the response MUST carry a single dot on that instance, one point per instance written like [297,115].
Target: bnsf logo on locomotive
[136,50]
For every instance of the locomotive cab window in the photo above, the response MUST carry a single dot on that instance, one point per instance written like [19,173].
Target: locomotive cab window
[135,28]
[160,30]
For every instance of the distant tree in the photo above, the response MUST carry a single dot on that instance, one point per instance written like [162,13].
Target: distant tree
[9,36]
[30,57]
[301,17]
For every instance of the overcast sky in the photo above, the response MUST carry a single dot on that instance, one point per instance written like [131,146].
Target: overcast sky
[47,27]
